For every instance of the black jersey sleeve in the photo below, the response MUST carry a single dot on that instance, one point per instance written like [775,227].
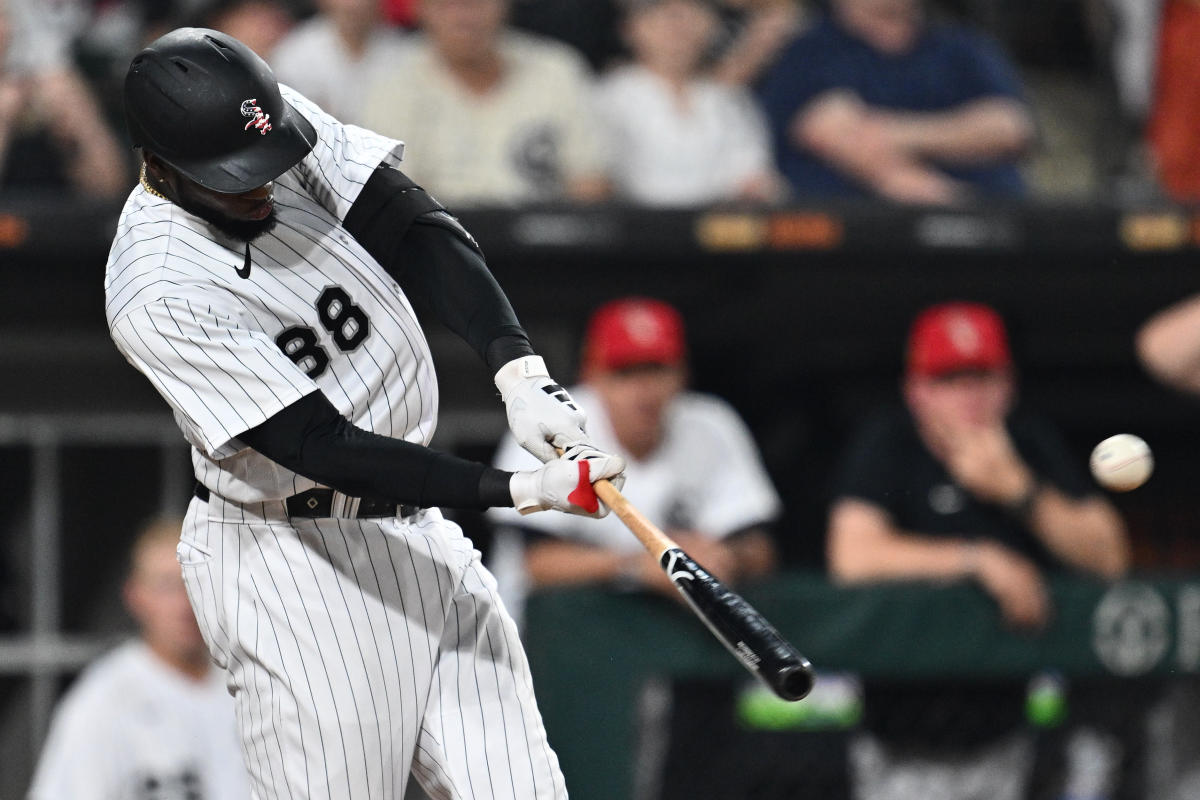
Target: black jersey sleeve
[1043,447]
[437,262]
[867,467]
[312,439]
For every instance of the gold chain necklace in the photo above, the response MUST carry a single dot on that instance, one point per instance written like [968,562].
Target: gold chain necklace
[146,184]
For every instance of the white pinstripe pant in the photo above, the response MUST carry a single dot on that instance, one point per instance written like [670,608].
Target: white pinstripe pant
[360,649]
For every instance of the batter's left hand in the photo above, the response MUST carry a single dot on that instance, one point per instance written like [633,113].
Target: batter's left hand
[541,414]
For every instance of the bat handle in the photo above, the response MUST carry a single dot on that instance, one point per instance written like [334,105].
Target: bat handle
[649,534]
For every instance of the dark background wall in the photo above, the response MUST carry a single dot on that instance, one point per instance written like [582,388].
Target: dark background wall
[797,317]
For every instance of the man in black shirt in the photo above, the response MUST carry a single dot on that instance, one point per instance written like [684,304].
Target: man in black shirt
[955,485]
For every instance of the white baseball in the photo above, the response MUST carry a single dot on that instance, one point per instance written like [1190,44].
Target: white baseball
[1122,462]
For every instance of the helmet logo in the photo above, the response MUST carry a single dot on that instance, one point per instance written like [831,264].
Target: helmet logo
[258,118]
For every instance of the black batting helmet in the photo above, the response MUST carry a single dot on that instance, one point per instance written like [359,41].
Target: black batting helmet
[207,105]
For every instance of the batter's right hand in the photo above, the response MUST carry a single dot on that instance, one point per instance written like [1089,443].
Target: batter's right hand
[565,484]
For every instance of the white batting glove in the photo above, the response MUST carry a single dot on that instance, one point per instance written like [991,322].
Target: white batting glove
[565,484]
[540,413]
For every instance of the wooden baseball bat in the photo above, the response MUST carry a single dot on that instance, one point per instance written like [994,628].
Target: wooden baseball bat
[735,623]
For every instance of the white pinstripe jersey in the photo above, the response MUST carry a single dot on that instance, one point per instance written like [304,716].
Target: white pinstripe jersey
[316,311]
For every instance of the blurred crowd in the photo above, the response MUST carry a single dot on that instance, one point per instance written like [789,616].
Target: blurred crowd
[951,480]
[680,103]
[663,102]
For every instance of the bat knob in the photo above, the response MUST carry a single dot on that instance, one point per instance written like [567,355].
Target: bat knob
[793,682]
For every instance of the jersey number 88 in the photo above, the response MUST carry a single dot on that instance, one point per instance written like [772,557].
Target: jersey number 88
[344,321]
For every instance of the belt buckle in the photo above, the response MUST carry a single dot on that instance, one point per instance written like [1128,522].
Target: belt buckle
[310,504]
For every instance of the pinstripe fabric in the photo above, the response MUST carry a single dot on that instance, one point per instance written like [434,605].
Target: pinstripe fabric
[357,650]
[360,649]
[481,680]
[207,339]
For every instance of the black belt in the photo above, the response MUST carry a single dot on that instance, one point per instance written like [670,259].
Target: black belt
[318,504]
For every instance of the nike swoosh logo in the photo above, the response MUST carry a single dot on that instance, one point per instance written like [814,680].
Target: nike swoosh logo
[244,272]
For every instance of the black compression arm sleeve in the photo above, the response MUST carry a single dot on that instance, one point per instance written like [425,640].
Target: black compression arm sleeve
[453,279]
[436,261]
[311,438]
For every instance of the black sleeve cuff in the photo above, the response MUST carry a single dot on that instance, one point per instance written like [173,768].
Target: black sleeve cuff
[512,344]
[493,488]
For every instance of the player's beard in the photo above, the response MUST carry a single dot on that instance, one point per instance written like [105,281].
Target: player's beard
[242,230]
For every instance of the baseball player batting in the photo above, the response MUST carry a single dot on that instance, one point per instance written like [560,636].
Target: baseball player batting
[260,278]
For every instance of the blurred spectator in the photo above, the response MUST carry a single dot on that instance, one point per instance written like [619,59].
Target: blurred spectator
[589,26]
[754,34]
[52,135]
[45,31]
[490,115]
[958,486]
[1124,35]
[334,57]
[151,718]
[678,138]
[1173,133]
[693,469]
[875,101]
[750,36]
[99,36]
[260,24]
[104,31]
[1134,52]
[1168,345]
[400,12]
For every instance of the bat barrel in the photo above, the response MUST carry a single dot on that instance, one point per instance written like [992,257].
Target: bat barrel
[743,631]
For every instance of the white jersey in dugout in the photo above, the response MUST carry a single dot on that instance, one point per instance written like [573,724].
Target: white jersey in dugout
[304,307]
[134,728]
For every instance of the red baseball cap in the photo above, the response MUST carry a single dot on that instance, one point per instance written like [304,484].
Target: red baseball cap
[634,331]
[957,336]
